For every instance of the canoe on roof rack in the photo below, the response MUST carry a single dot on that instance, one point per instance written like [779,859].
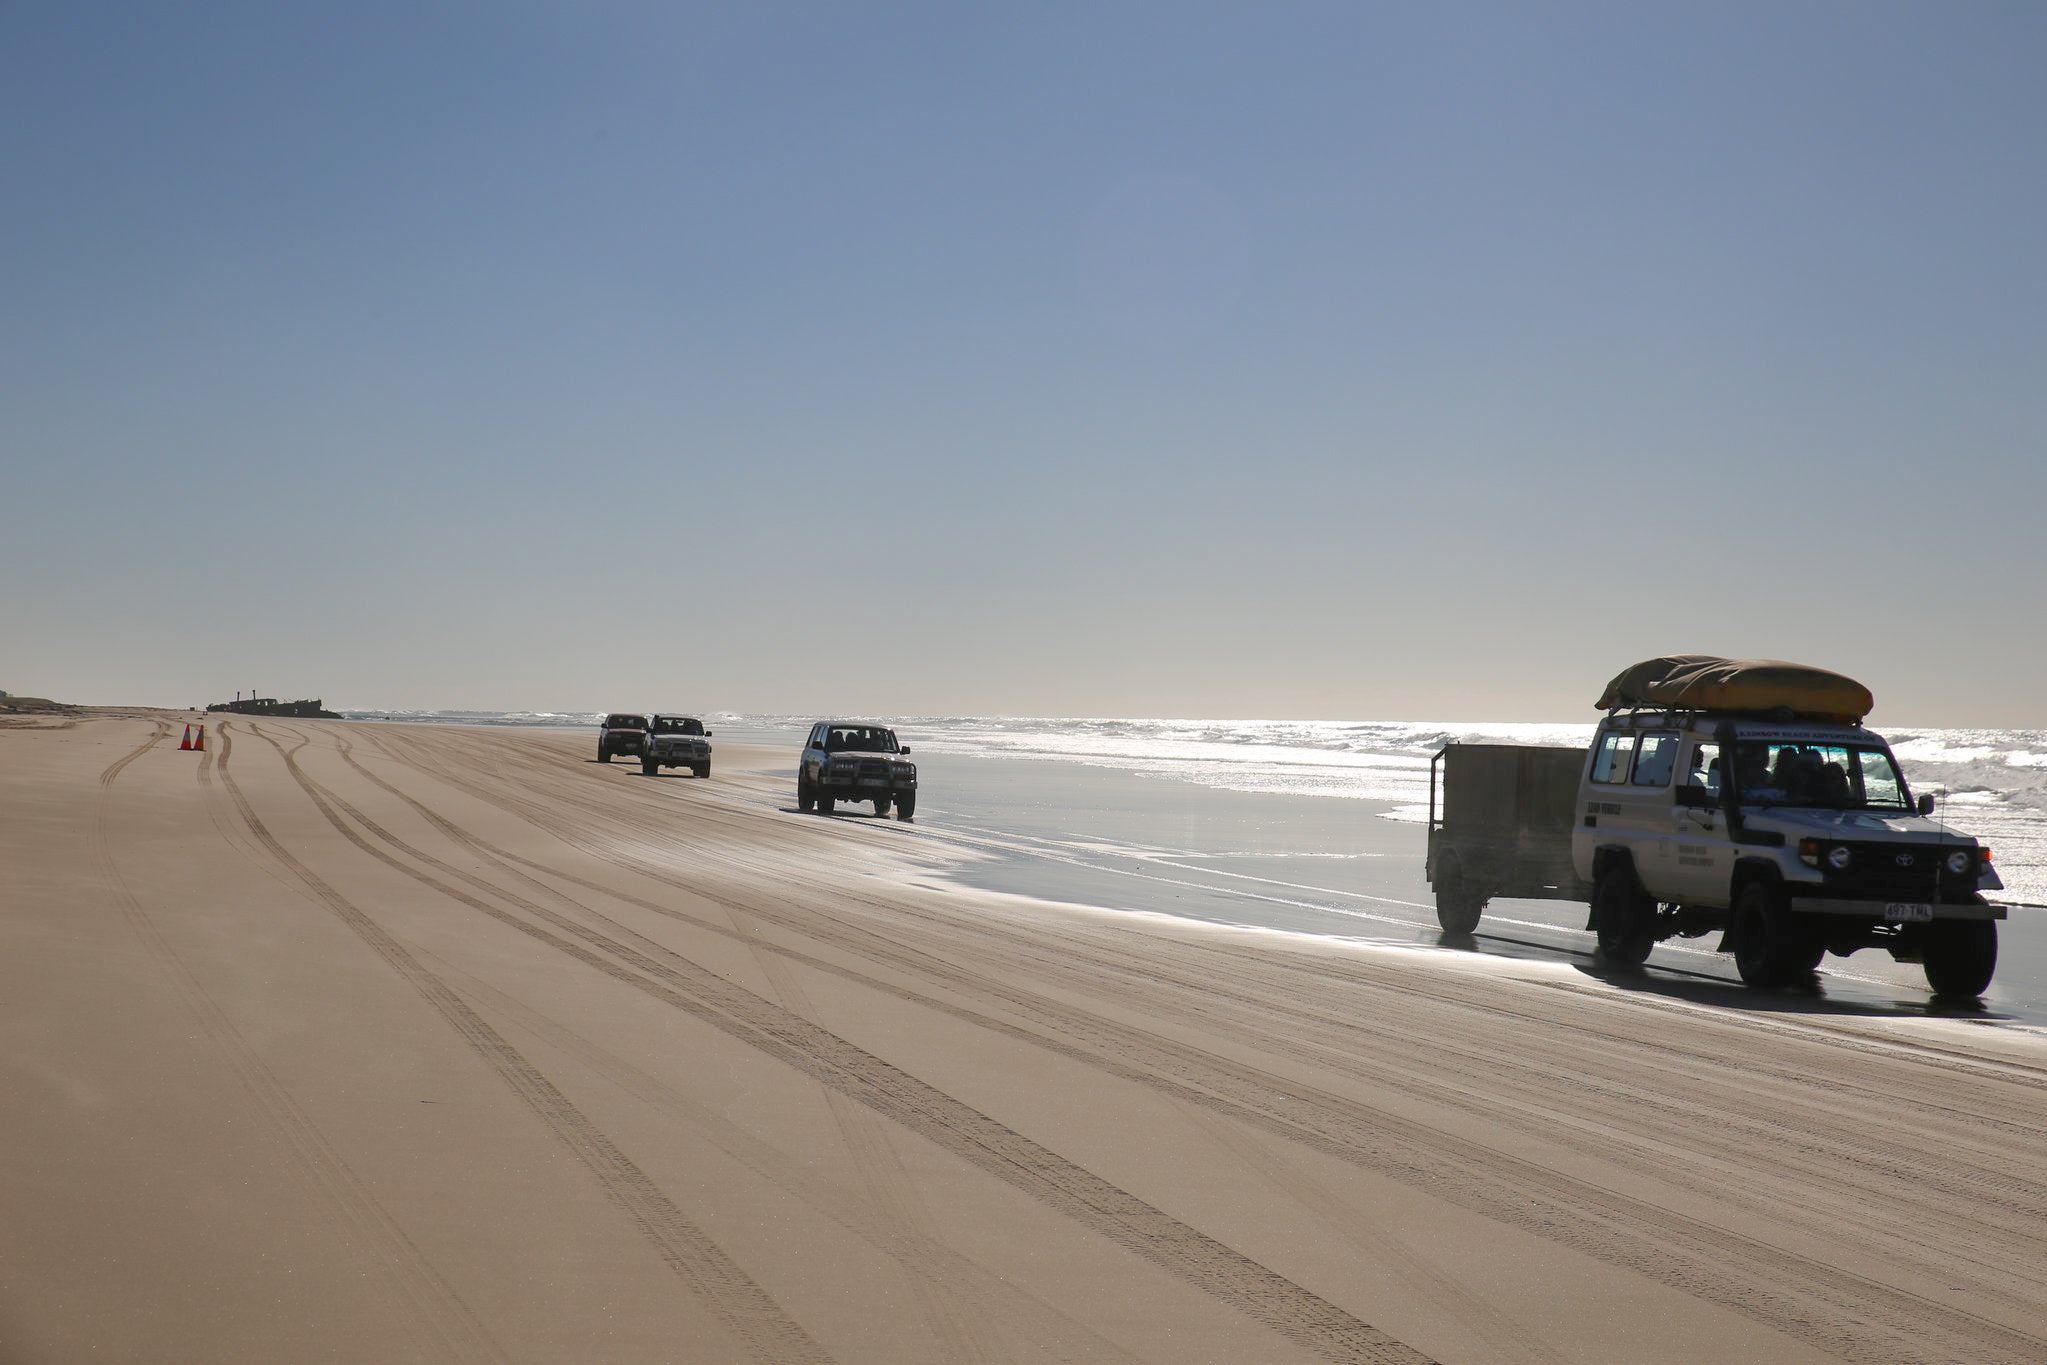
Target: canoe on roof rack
[1707,682]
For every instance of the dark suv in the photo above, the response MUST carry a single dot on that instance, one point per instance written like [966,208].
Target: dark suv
[622,732]
[851,760]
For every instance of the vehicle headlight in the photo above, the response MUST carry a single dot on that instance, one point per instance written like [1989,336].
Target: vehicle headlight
[1838,858]
[1958,861]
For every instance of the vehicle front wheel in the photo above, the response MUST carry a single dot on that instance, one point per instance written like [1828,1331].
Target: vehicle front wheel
[1625,917]
[604,755]
[1960,956]
[806,801]
[906,806]
[650,768]
[1458,903]
[702,770]
[826,803]
[1771,946]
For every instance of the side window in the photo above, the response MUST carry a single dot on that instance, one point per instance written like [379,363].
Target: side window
[1615,752]
[1654,760]
[1704,769]
[1879,780]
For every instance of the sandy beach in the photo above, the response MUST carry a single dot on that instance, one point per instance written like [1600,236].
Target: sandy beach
[360,1042]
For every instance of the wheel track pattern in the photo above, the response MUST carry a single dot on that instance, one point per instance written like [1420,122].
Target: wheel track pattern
[1110,1211]
[1578,1113]
[967,1280]
[755,1320]
[437,1313]
[1846,1299]
[1563,1093]
[1568,1080]
[119,765]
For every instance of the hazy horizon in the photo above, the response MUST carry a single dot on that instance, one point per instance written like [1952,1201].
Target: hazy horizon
[1311,361]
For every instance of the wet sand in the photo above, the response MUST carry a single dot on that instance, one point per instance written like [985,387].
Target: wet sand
[361,1042]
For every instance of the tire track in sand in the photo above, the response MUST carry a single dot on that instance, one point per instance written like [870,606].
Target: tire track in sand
[438,1315]
[756,1321]
[1058,1333]
[1220,1271]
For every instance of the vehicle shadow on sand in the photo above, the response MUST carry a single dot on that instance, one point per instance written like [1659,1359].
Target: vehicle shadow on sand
[864,813]
[1818,996]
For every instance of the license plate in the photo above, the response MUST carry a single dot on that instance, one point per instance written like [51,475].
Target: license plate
[874,782]
[1904,911]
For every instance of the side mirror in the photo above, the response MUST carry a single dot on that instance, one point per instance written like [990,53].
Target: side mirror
[906,748]
[1926,803]
[1697,798]
[709,733]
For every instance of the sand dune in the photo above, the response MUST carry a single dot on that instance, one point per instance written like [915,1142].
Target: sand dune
[372,1043]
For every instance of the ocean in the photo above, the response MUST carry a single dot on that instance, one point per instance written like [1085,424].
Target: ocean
[1317,826]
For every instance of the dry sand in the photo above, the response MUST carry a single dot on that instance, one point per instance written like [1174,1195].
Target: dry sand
[379,1043]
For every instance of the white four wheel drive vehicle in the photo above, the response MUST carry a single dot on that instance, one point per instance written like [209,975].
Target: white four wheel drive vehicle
[1729,796]
[851,760]
[676,742]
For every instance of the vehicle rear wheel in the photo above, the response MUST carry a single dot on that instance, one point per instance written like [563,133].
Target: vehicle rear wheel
[604,755]
[1458,903]
[826,802]
[906,806]
[880,806]
[1960,956]
[1625,917]
[806,800]
[1771,946]
[702,770]
[650,768]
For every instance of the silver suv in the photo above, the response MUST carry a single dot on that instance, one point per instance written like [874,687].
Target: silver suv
[852,760]
[676,742]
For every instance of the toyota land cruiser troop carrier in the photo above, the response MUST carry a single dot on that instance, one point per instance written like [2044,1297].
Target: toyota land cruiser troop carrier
[1742,797]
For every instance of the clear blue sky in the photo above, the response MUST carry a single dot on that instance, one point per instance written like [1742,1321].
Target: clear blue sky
[1326,360]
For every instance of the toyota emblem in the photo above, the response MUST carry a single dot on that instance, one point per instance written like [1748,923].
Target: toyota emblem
[1904,860]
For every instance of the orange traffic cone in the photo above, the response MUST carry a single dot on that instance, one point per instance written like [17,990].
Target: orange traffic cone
[186,742]
[200,743]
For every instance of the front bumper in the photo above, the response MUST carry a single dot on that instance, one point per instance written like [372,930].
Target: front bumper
[1897,912]
[868,779]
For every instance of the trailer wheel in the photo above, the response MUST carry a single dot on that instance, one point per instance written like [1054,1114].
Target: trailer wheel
[1625,918]
[1771,946]
[1960,956]
[1458,903]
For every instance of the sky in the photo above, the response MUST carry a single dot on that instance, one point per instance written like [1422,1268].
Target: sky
[1339,361]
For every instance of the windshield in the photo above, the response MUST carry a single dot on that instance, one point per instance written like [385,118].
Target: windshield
[861,739]
[677,725]
[625,722]
[1833,776]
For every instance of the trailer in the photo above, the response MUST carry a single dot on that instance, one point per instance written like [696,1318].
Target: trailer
[1500,818]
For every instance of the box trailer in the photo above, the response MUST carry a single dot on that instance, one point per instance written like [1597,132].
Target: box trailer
[1500,818]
